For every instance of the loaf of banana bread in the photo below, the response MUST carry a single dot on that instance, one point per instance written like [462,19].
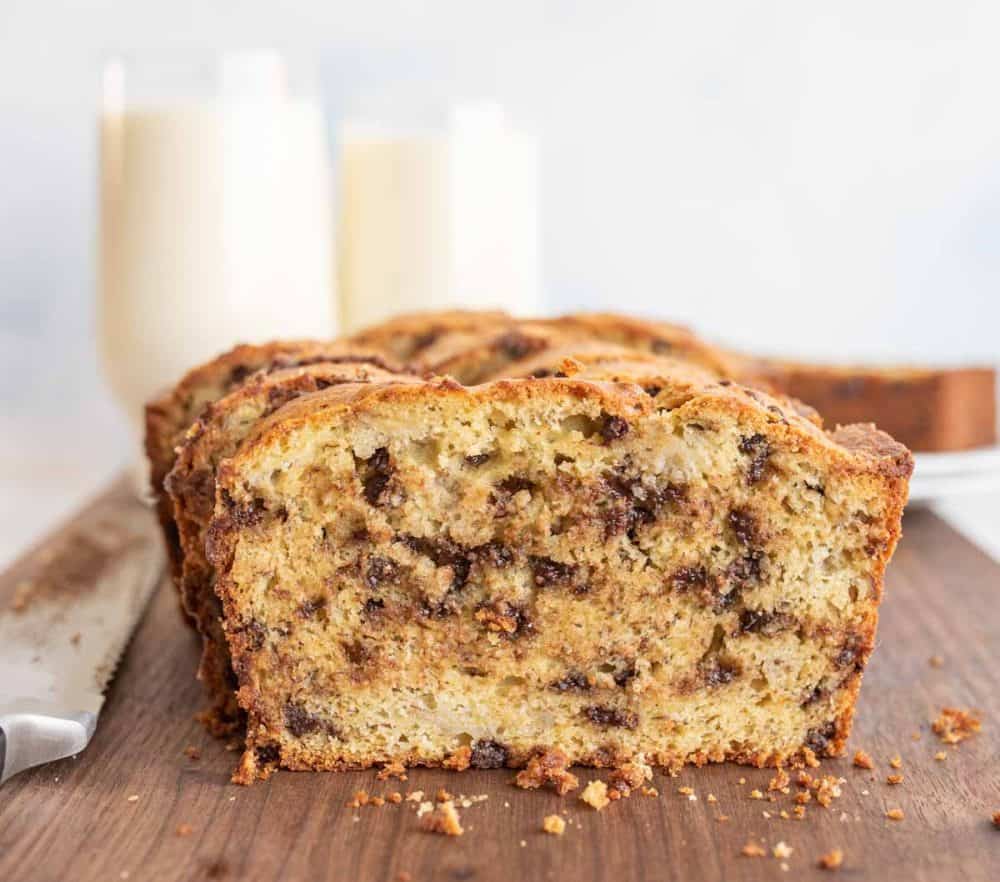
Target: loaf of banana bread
[684,570]
[927,409]
[190,485]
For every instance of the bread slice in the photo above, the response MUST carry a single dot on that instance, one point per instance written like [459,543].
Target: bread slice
[190,485]
[170,415]
[440,575]
[927,409]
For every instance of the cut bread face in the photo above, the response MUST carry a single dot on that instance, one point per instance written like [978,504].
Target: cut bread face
[190,486]
[440,575]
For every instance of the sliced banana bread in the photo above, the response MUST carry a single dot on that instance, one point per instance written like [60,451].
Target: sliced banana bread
[216,434]
[440,575]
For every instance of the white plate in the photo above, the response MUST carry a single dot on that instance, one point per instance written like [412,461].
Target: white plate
[959,462]
[947,475]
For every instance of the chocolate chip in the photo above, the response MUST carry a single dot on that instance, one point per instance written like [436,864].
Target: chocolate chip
[623,675]
[494,554]
[613,428]
[239,373]
[686,578]
[717,672]
[249,514]
[301,722]
[661,346]
[444,553]
[515,345]
[254,633]
[817,693]
[603,715]
[746,569]
[357,653]
[550,572]
[381,569]
[852,653]
[308,608]
[373,606]
[652,391]
[817,740]
[377,477]
[574,681]
[477,459]
[488,755]
[759,450]
[504,492]
[744,525]
[759,621]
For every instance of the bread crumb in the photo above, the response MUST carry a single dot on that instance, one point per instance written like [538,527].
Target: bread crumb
[784,867]
[940,756]
[799,811]
[784,815]
[831,860]
[395,769]
[444,819]
[395,798]
[781,850]
[360,798]
[722,819]
[996,820]
[863,761]
[954,725]
[628,777]
[803,797]
[779,782]
[685,791]
[743,781]
[595,794]
[377,801]
[415,796]
[192,753]
[752,849]
[894,779]
[895,814]
[756,794]
[827,789]
[443,795]
[896,762]
[554,824]
[134,797]
[711,798]
[936,661]
[550,766]
[650,791]
[184,829]
[424,808]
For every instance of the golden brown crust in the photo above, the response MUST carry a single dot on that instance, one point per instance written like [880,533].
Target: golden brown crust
[407,337]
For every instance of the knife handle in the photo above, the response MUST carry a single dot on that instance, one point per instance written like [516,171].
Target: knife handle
[30,738]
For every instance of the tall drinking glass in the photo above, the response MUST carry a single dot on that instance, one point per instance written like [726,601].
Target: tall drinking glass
[215,222]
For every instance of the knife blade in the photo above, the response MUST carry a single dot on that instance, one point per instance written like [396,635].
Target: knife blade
[75,605]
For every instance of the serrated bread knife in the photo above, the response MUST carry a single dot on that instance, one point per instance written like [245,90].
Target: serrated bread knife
[63,628]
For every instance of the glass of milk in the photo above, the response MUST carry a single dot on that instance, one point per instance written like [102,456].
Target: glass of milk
[215,222]
[441,213]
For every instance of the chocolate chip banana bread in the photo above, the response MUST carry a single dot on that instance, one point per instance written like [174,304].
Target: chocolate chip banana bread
[433,574]
[190,485]
[927,409]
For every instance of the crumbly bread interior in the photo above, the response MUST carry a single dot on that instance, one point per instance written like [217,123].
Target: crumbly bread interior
[452,576]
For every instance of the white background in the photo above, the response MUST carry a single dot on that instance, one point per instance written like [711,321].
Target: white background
[801,177]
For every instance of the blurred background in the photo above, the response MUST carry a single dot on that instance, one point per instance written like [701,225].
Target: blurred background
[789,177]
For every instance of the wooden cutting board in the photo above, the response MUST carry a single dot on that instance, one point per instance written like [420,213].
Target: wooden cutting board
[78,819]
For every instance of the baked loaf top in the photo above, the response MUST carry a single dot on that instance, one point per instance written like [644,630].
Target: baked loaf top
[685,573]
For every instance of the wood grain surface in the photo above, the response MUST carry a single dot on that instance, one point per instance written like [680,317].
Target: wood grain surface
[76,819]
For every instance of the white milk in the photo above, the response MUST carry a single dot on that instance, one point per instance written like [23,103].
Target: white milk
[437,220]
[215,229]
